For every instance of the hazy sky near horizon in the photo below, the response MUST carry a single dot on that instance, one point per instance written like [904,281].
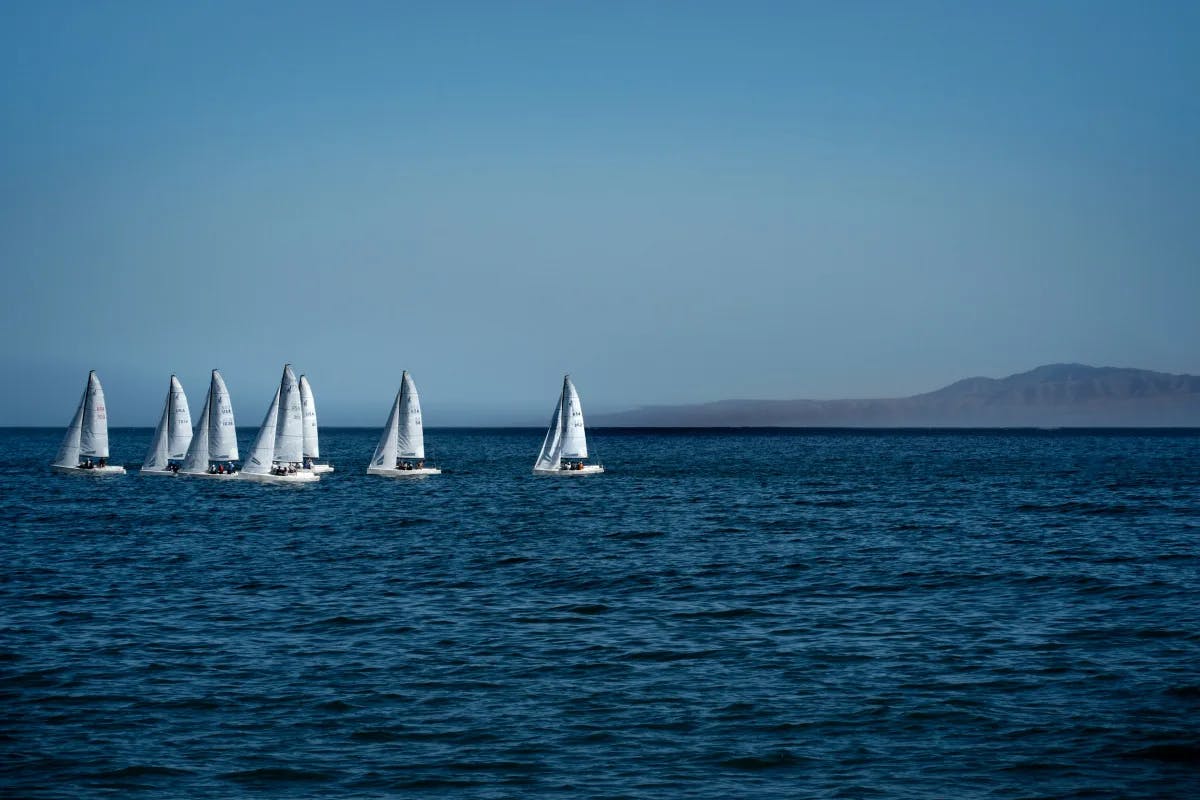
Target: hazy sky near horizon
[675,202]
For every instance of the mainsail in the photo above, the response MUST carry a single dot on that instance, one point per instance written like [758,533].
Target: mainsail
[312,448]
[222,433]
[93,438]
[262,454]
[289,434]
[180,422]
[574,440]
[410,436]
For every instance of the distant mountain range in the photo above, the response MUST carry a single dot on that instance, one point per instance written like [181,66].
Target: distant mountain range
[1049,396]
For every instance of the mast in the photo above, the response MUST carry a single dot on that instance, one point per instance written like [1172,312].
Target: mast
[212,386]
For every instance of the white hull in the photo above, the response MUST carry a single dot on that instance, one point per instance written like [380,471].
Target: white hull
[167,472]
[222,475]
[403,473]
[321,469]
[588,469]
[300,476]
[109,470]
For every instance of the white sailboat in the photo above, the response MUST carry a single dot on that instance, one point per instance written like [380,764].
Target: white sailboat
[84,450]
[214,442]
[565,447]
[312,446]
[278,450]
[401,449]
[172,436]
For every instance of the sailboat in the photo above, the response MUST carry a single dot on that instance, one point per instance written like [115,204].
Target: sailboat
[172,436]
[87,436]
[565,447]
[214,442]
[401,449]
[278,449]
[312,447]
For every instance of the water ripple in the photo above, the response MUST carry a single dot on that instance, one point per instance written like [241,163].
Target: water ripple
[744,614]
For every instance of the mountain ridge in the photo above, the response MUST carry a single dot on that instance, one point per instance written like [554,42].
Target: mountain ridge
[1052,395]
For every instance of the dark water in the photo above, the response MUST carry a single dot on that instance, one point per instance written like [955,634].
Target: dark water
[723,615]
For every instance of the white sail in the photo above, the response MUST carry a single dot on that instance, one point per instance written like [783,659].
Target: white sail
[308,406]
[201,451]
[574,439]
[179,422]
[222,433]
[157,455]
[174,431]
[197,454]
[93,439]
[289,431]
[385,451]
[552,444]
[410,438]
[68,451]
[262,454]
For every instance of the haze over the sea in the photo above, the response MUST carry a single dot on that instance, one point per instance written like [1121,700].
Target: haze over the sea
[677,203]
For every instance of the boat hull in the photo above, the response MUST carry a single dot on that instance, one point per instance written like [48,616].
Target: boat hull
[222,475]
[321,469]
[300,476]
[588,469]
[163,472]
[403,473]
[109,470]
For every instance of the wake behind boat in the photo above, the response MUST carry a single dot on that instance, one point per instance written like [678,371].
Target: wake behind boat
[214,441]
[565,447]
[312,446]
[172,436]
[84,449]
[401,449]
[278,450]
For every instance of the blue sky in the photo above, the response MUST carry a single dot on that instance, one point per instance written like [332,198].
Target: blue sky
[674,201]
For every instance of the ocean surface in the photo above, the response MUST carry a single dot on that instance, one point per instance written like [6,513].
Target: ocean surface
[723,615]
